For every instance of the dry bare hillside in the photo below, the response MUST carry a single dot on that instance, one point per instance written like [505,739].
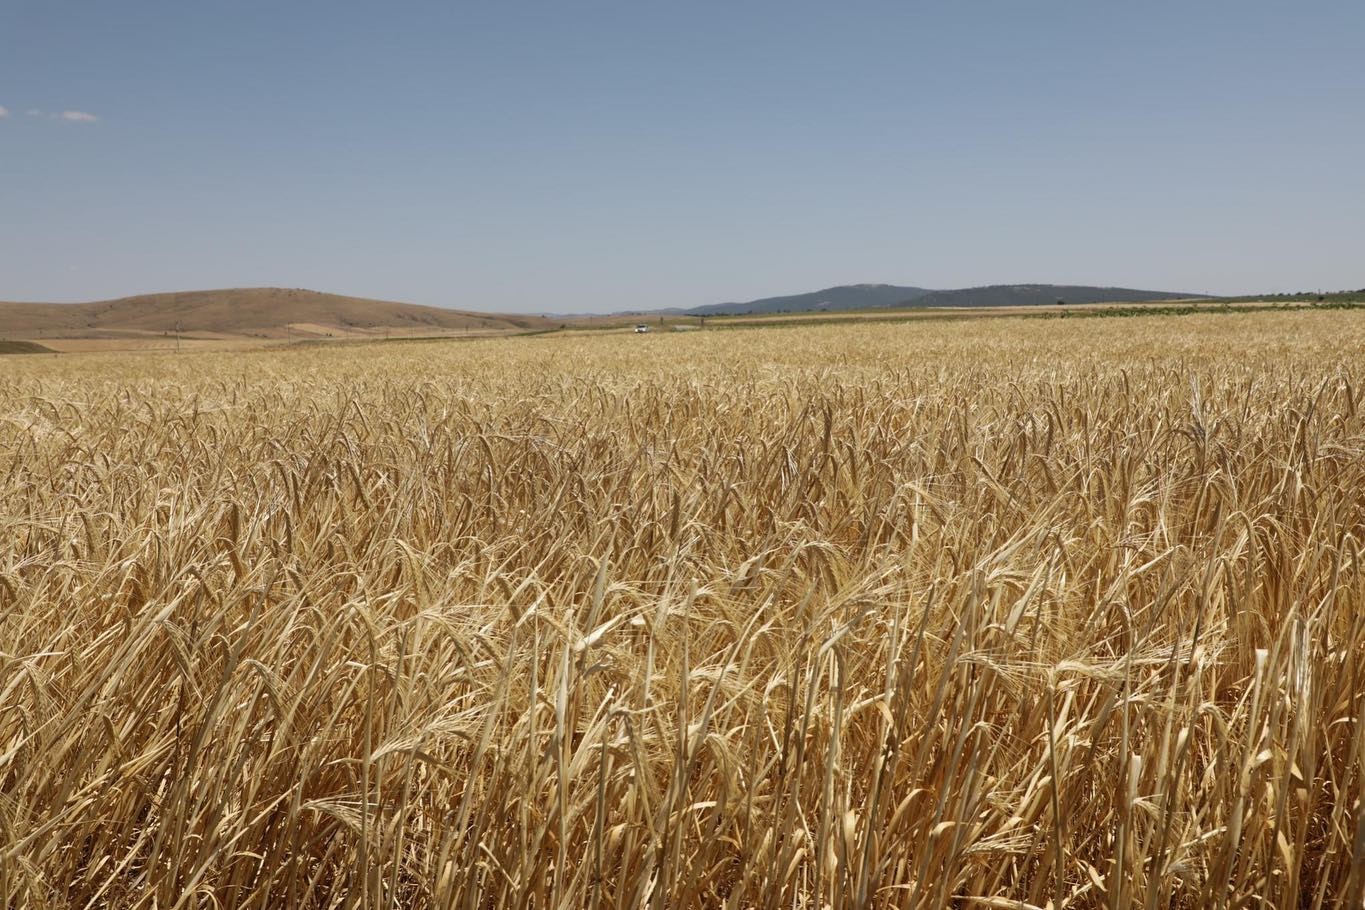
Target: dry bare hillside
[999,614]
[269,312]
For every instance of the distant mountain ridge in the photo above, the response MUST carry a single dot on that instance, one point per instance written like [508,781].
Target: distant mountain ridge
[842,297]
[886,296]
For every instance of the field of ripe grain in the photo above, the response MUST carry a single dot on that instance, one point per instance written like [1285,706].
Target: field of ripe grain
[1002,613]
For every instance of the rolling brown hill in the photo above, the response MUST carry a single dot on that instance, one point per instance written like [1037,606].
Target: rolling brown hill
[246,312]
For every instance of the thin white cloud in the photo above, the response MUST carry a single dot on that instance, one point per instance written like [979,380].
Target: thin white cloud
[76,117]
[4,111]
[34,112]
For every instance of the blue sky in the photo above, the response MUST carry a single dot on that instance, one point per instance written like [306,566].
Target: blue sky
[591,156]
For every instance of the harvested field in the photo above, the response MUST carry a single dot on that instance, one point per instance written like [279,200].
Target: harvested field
[1000,613]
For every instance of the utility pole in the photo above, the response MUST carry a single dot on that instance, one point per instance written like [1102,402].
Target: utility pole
[177,336]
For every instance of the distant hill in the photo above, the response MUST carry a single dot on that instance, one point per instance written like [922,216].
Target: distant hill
[844,297]
[999,295]
[255,312]
[878,296]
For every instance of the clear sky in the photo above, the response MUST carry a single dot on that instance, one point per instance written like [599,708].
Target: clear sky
[586,155]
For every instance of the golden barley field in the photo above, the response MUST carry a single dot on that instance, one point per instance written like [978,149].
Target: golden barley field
[1005,613]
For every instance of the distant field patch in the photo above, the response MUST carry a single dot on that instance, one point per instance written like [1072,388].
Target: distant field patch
[24,347]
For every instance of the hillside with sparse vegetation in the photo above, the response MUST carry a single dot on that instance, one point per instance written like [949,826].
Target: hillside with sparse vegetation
[245,312]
